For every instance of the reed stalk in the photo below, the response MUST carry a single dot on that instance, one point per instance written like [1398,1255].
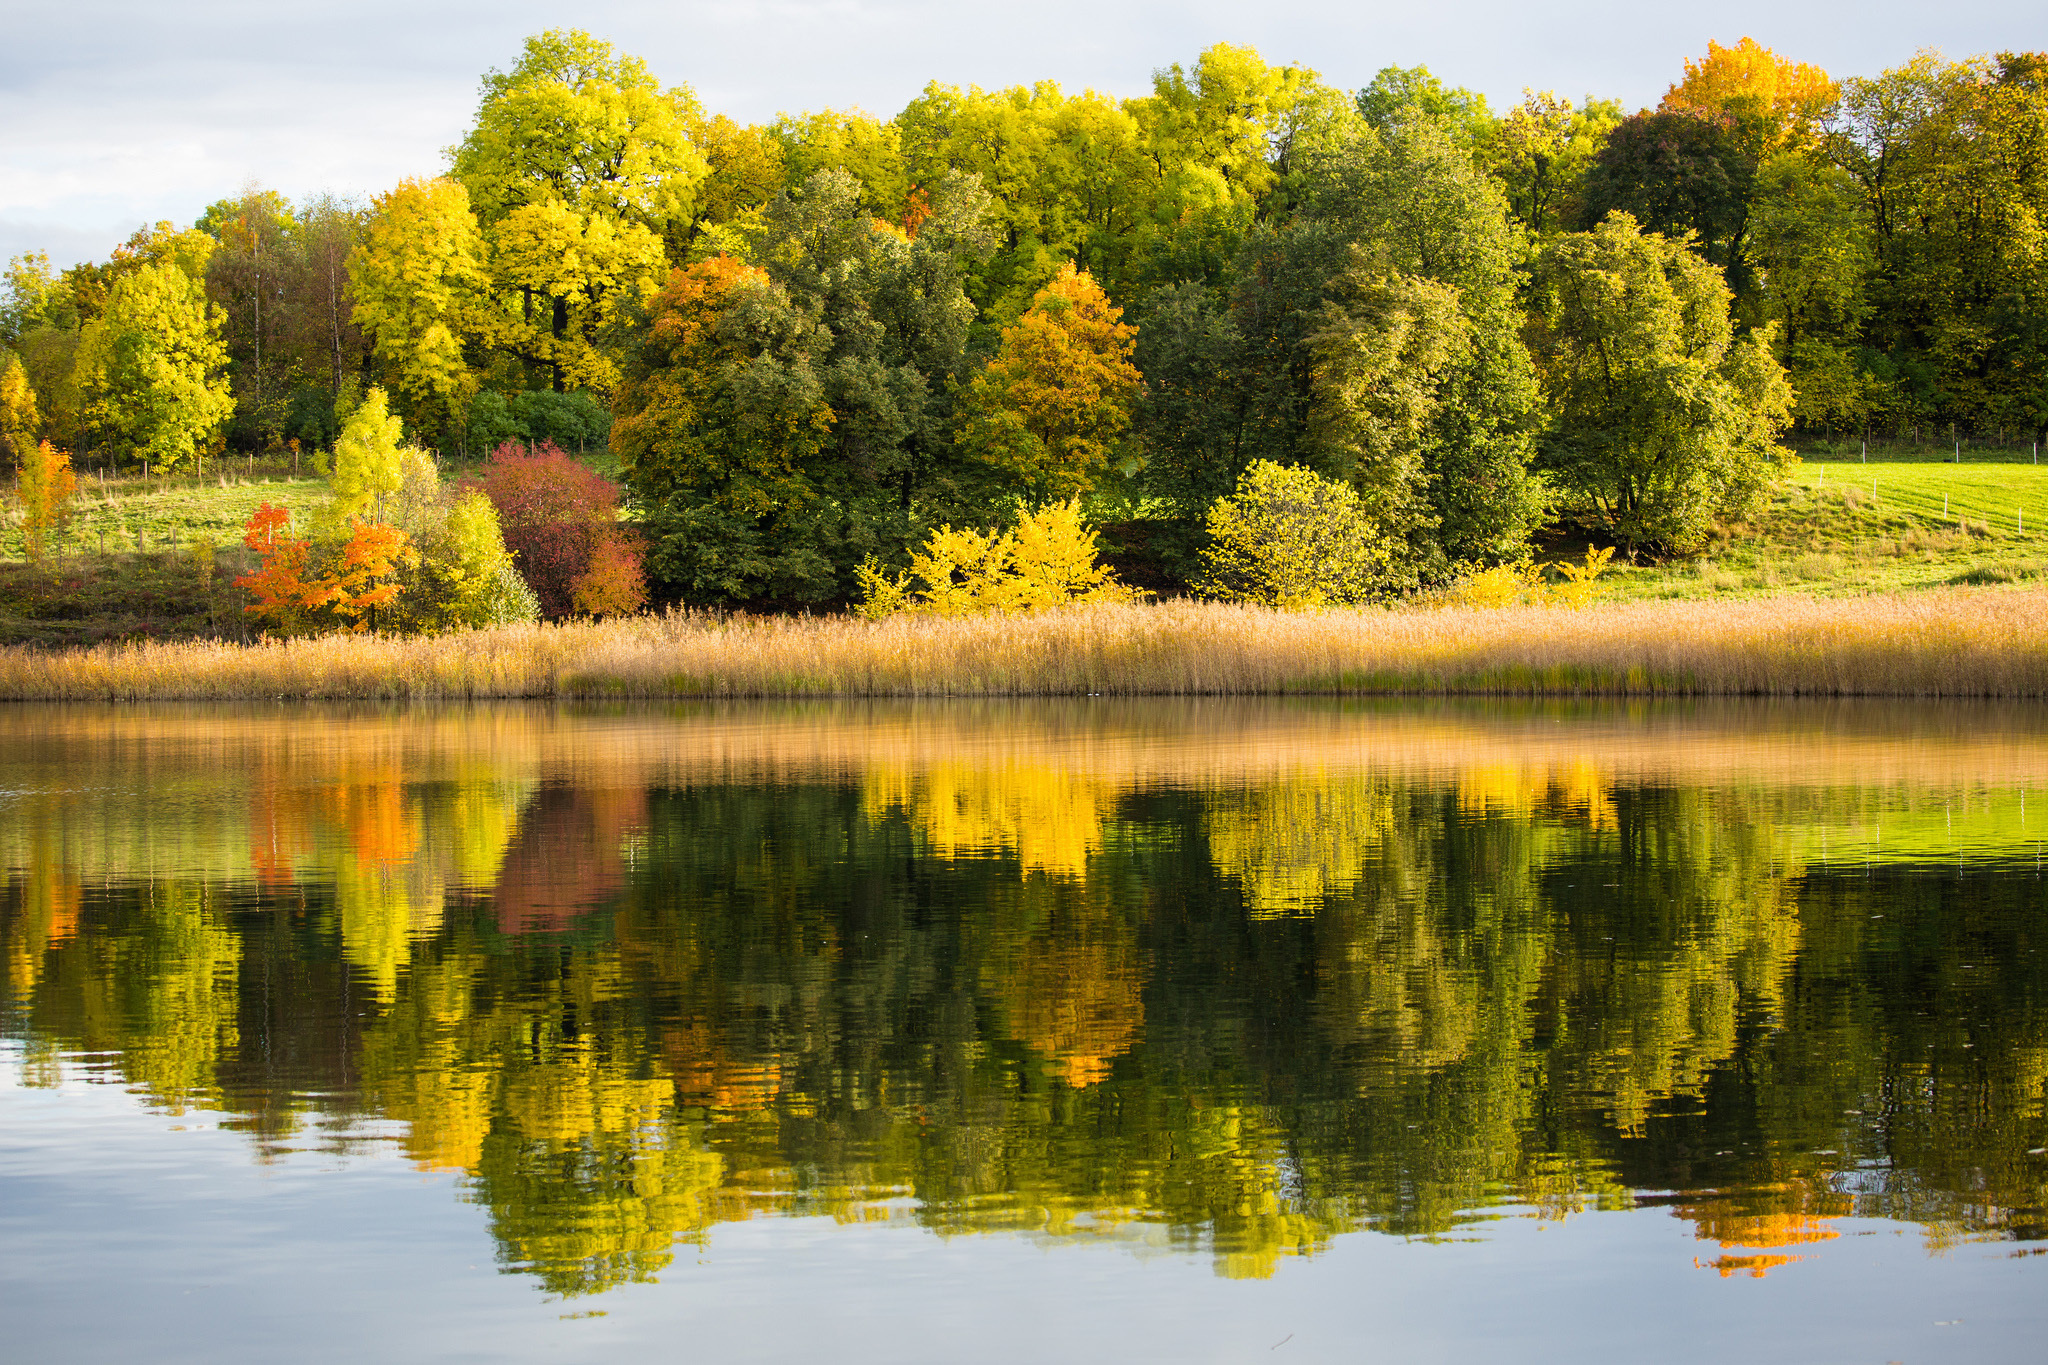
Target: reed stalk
[1958,642]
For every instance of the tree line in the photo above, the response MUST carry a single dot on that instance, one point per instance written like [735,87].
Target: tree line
[810,342]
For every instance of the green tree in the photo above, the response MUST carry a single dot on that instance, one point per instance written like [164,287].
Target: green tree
[1662,417]
[1382,354]
[893,315]
[1810,246]
[152,364]
[1945,155]
[721,431]
[1541,150]
[245,278]
[1398,94]
[1420,206]
[30,288]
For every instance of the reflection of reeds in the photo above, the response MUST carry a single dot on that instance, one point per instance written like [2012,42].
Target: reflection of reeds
[1957,642]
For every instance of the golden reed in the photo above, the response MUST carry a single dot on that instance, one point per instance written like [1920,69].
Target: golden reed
[1956,642]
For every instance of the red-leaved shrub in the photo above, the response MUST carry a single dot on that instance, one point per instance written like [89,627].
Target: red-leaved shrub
[560,521]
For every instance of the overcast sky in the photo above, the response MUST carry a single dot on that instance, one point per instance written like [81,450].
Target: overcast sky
[117,112]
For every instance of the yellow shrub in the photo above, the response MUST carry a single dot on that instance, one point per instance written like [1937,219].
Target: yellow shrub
[1292,539]
[1048,559]
[1503,585]
[1578,588]
[1521,584]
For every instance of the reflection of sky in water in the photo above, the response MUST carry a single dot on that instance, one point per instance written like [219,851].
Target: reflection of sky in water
[170,1246]
[1734,1011]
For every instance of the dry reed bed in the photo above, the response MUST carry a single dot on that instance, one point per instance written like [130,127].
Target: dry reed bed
[1946,643]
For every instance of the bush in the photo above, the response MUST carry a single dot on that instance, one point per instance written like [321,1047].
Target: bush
[560,521]
[1048,559]
[1291,538]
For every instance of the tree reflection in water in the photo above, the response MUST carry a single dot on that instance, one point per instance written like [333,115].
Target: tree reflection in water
[1241,977]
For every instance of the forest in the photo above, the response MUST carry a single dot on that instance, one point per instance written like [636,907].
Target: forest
[779,358]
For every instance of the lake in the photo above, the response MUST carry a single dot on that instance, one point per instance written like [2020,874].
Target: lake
[1028,1030]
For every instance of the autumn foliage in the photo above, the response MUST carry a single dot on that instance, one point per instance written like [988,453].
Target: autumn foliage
[560,521]
[46,488]
[291,593]
[1052,404]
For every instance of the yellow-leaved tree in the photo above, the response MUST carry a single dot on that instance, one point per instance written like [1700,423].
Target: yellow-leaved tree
[1051,406]
[368,460]
[417,281]
[1751,81]
[20,419]
[152,367]
[1048,559]
[580,163]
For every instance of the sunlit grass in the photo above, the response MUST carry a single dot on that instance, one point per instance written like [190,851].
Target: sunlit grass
[1824,530]
[1944,642]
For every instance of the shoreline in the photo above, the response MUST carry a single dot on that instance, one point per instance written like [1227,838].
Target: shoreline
[1957,642]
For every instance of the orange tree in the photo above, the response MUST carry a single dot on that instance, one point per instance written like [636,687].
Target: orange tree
[1050,408]
[45,488]
[293,596]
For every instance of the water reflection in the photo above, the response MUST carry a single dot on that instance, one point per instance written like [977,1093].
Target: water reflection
[1242,976]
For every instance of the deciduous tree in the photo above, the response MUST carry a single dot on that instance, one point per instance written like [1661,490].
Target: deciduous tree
[368,461]
[1053,404]
[578,165]
[722,430]
[151,366]
[1663,417]
[417,279]
[20,419]
[45,486]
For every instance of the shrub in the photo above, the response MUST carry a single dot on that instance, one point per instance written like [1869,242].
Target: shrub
[1521,583]
[1291,538]
[1048,559]
[613,584]
[557,516]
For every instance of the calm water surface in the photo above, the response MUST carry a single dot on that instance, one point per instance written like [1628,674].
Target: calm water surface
[1024,1031]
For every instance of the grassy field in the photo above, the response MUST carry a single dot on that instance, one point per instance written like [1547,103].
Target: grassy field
[143,558]
[1847,527]
[1946,642]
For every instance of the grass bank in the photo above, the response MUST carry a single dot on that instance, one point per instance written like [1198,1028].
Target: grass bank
[1849,527]
[1950,642]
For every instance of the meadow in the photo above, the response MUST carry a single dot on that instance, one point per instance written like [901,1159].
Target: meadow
[1838,525]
